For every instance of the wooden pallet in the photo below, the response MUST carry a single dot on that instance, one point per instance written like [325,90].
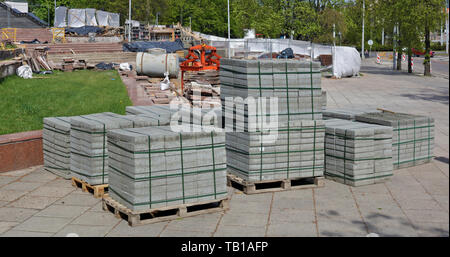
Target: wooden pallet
[98,190]
[155,215]
[276,185]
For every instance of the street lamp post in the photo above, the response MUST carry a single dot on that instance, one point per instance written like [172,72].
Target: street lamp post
[229,36]
[362,41]
[129,21]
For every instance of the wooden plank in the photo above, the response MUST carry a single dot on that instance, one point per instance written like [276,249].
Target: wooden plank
[276,185]
[97,190]
[157,214]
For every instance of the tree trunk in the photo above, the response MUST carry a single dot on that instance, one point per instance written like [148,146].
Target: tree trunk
[426,63]
[409,60]
[399,60]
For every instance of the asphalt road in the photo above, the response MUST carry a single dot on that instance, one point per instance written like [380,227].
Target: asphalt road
[439,65]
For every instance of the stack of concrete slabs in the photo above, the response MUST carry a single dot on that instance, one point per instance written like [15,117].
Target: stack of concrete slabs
[88,142]
[347,113]
[413,136]
[294,150]
[357,153]
[154,167]
[56,145]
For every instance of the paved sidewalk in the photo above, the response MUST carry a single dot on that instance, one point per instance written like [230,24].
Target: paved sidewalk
[415,202]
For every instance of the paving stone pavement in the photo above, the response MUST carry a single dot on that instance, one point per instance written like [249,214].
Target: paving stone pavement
[415,202]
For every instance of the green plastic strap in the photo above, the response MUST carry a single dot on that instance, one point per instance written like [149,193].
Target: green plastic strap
[56,131]
[166,150]
[356,160]
[229,148]
[358,139]
[272,170]
[182,165]
[149,173]
[289,119]
[104,150]
[261,133]
[88,132]
[214,166]
[417,159]
[87,175]
[414,148]
[413,141]
[429,139]
[353,179]
[345,151]
[64,156]
[314,148]
[114,169]
[55,168]
[267,73]
[411,128]
[268,88]
[312,90]
[161,201]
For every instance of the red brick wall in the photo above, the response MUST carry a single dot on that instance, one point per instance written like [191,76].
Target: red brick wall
[21,150]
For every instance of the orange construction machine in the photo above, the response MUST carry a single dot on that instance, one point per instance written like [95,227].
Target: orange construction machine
[198,60]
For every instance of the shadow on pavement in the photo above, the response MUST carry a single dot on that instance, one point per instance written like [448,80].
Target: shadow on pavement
[442,159]
[438,96]
[378,223]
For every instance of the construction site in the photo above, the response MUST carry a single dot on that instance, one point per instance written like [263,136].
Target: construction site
[138,130]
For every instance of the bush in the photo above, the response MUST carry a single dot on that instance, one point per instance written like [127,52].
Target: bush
[437,46]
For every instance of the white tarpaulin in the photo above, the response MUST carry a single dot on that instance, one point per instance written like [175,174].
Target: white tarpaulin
[102,18]
[24,72]
[347,62]
[114,20]
[77,18]
[60,17]
[90,17]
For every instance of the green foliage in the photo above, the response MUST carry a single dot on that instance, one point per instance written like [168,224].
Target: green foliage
[307,19]
[26,102]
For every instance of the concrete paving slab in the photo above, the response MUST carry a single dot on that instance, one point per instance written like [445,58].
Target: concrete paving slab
[96,219]
[206,222]
[10,195]
[347,214]
[22,186]
[283,203]
[240,231]
[15,214]
[438,216]
[18,233]
[125,230]
[432,229]
[60,183]
[97,208]
[4,180]
[3,203]
[243,206]
[419,204]
[84,199]
[43,224]
[52,191]
[290,229]
[39,176]
[184,233]
[244,219]
[292,215]
[342,228]
[61,211]
[33,202]
[84,231]
[5,226]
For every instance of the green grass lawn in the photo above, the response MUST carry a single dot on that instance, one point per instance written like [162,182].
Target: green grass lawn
[25,102]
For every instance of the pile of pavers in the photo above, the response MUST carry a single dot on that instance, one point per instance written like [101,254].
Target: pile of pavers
[88,142]
[357,153]
[155,167]
[182,114]
[56,145]
[292,147]
[413,136]
[347,113]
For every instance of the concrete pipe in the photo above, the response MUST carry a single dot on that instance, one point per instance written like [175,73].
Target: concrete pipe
[156,62]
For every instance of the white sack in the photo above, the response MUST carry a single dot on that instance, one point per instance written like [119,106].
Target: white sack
[61,17]
[24,72]
[77,18]
[90,17]
[102,18]
[348,62]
